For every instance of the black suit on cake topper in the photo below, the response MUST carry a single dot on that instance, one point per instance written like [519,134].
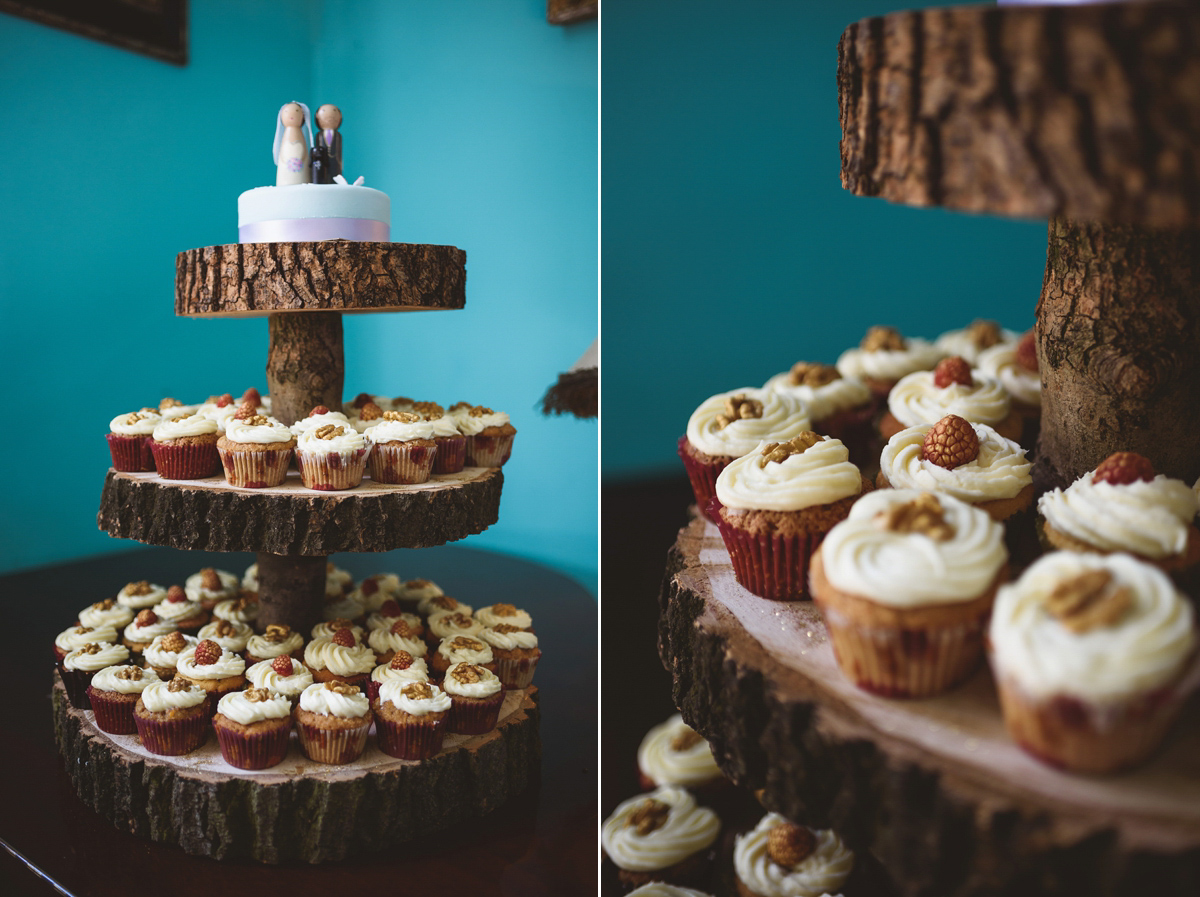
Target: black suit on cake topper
[327,145]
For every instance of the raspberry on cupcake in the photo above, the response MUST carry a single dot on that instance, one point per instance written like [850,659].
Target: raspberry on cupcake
[211,586]
[177,608]
[212,668]
[281,676]
[403,666]
[339,659]
[144,629]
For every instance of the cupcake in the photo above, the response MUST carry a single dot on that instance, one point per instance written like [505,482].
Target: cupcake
[390,613]
[780,859]
[1123,506]
[413,591]
[252,728]
[82,664]
[332,721]
[106,613]
[281,676]
[515,651]
[162,654]
[673,754]
[337,580]
[173,409]
[1093,656]
[450,624]
[342,607]
[328,628]
[952,388]
[476,695]
[113,692]
[731,425]
[403,666]
[185,448]
[277,641]
[129,438]
[775,505]
[212,668]
[841,407]
[971,342]
[410,719]
[141,595]
[77,636]
[402,449]
[400,636]
[317,418]
[243,609]
[884,356]
[211,586]
[339,659]
[489,435]
[255,451]
[431,605]
[499,613]
[171,717]
[905,585]
[229,635]
[331,457]
[373,591]
[1015,366]
[663,836]
[451,455]
[144,629]
[187,615]
[461,649]
[220,409]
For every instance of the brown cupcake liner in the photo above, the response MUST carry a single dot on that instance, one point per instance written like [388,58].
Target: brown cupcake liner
[411,740]
[253,750]
[112,716]
[131,454]
[185,460]
[770,566]
[451,454]
[702,476]
[332,471]
[489,451]
[401,463]
[255,470]
[516,673]
[172,737]
[333,746]
[77,682]
[474,717]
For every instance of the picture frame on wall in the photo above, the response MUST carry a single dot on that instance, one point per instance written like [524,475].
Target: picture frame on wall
[156,28]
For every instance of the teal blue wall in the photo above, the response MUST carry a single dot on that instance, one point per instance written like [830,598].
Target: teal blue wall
[730,249]
[477,117]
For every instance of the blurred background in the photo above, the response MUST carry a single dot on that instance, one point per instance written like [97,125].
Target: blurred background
[477,117]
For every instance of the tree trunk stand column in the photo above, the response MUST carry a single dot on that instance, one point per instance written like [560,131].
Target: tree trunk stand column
[305,363]
[1118,326]
[291,590]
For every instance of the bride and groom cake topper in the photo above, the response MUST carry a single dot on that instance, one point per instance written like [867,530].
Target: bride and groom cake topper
[302,158]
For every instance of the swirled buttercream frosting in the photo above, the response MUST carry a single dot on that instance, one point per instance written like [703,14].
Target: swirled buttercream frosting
[348,440]
[124,679]
[319,699]
[261,646]
[509,641]
[472,424]
[106,613]
[198,585]
[824,401]
[327,628]
[820,475]
[971,342]
[177,610]
[672,753]
[418,671]
[413,703]
[889,364]
[263,675]
[136,423]
[822,871]
[78,636]
[316,421]
[195,425]
[384,640]
[138,633]
[226,666]
[1000,363]
[456,622]
[916,400]
[240,707]
[326,654]
[399,431]
[156,654]
[781,417]
[233,636]
[495,614]
[141,595]
[157,697]
[90,661]
[246,432]
[462,649]
[485,683]
[679,831]
[1000,471]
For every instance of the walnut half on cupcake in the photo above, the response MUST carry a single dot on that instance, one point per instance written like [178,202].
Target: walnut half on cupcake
[780,859]
[661,836]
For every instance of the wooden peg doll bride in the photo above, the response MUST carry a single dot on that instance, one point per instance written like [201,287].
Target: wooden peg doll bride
[293,134]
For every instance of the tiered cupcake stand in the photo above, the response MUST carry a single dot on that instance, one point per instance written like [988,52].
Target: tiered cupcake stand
[1089,116]
[302,811]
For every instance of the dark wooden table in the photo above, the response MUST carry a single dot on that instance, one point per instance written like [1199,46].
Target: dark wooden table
[542,843]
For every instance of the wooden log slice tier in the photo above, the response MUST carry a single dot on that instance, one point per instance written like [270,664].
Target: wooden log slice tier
[254,279]
[1089,112]
[298,811]
[934,788]
[211,515]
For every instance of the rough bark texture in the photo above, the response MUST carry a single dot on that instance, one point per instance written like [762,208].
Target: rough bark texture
[939,830]
[210,516]
[565,12]
[1118,329]
[315,818]
[241,279]
[305,364]
[575,392]
[1089,112]
[291,590]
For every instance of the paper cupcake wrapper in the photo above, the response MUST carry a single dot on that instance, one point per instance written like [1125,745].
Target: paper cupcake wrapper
[131,454]
[489,451]
[172,737]
[410,741]
[255,470]
[185,461]
[112,716]
[772,567]
[905,663]
[77,682]
[402,464]
[703,478]
[474,717]
[333,746]
[518,672]
[451,454]
[332,471]
[257,750]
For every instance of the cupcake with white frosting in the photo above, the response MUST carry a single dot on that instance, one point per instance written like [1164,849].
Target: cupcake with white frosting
[925,397]
[775,505]
[410,719]
[281,676]
[328,628]
[185,448]
[277,640]
[231,635]
[780,859]
[106,613]
[884,356]
[333,720]
[162,654]
[212,668]
[451,454]
[211,586]
[1093,655]
[129,438]
[252,728]
[450,624]
[255,451]
[662,889]
[413,591]
[841,407]
[489,433]
[430,605]
[400,636]
[402,448]
[971,342]
[516,653]
[373,591]
[79,635]
[145,628]
[730,425]
[389,614]
[504,613]
[317,418]
[1016,367]
[79,666]
[661,836]
[402,666]
[186,614]
[339,659]
[331,457]
[476,695]
[673,754]
[141,595]
[171,717]
[113,692]
[461,649]
[243,609]
[906,584]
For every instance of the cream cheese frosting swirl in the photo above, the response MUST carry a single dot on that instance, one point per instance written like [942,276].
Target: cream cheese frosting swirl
[78,636]
[343,608]
[226,666]
[196,590]
[122,680]
[263,675]
[673,754]
[471,425]
[136,423]
[823,401]
[432,605]
[393,691]
[1000,363]
[495,614]
[316,421]
[1000,471]
[157,697]
[418,671]
[245,433]
[509,641]
[379,620]
[326,629]
[485,687]
[1146,648]
[963,343]
[662,889]
[141,595]
[418,590]
[910,569]
[889,364]
[107,656]
[467,651]
[137,633]
[319,699]
[820,475]
[326,654]
[177,610]
[399,431]
[96,615]
[235,641]
[261,646]
[1150,519]
[916,400]
[384,640]
[783,417]
[236,611]
[238,707]
[158,656]
[824,870]
[194,425]
[452,623]
[349,440]
[687,830]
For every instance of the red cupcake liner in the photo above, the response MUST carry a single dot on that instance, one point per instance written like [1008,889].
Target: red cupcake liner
[333,746]
[77,682]
[255,470]
[401,463]
[332,471]
[451,454]
[172,737]
[489,451]
[770,566]
[518,672]
[185,461]
[702,476]
[131,454]
[112,716]
[410,741]
[253,750]
[474,717]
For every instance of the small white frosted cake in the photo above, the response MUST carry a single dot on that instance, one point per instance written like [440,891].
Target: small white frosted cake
[304,213]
